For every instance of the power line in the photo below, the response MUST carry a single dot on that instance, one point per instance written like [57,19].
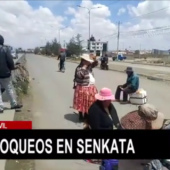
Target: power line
[149,13]
[142,31]
[118,36]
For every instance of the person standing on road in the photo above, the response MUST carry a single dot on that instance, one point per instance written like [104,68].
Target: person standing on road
[6,66]
[84,85]
[62,58]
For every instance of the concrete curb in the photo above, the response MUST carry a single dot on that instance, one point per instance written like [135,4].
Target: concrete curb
[140,74]
[146,64]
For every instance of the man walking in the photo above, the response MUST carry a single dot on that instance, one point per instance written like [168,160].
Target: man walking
[62,58]
[6,66]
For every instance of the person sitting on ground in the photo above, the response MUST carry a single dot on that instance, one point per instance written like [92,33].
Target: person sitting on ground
[146,117]
[131,85]
[102,113]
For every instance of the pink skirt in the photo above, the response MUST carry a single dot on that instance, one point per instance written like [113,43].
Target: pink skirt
[84,97]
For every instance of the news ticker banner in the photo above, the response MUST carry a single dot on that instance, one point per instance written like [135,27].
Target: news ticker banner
[82,144]
[15,124]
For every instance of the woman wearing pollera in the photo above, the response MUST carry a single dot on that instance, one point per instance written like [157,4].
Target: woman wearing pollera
[84,85]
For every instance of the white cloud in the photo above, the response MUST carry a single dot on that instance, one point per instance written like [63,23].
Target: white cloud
[22,25]
[121,11]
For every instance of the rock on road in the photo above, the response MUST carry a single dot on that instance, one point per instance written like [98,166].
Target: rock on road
[53,94]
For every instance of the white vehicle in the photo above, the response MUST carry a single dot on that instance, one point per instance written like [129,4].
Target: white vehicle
[15,55]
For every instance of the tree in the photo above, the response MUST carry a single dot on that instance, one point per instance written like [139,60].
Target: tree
[37,50]
[51,48]
[137,51]
[74,47]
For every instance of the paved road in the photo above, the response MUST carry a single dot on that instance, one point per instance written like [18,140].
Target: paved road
[53,95]
[142,66]
[19,56]
[148,67]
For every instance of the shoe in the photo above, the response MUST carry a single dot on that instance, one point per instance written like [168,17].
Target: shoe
[1,111]
[18,106]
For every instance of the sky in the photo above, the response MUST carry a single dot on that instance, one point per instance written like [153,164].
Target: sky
[31,23]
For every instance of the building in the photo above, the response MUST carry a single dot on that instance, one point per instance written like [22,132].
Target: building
[160,52]
[98,47]
[41,48]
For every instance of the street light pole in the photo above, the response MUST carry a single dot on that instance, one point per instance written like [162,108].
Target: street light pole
[59,31]
[59,35]
[89,11]
[89,23]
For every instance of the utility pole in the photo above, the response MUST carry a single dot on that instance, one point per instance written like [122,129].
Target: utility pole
[59,36]
[118,36]
[89,10]
[59,32]
[64,44]
[139,50]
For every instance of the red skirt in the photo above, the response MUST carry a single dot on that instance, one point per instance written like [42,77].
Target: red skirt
[84,97]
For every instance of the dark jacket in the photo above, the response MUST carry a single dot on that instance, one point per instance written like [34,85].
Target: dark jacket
[62,56]
[99,119]
[6,60]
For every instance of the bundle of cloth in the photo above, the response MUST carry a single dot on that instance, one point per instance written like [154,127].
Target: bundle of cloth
[147,117]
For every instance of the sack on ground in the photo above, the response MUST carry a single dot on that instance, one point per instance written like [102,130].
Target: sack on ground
[139,97]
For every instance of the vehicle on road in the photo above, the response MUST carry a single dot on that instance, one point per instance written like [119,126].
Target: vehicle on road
[119,57]
[104,66]
[14,55]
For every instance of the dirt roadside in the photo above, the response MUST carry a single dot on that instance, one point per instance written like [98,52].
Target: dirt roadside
[25,114]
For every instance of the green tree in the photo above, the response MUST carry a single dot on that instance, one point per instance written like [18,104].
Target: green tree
[75,45]
[137,51]
[51,48]
[37,50]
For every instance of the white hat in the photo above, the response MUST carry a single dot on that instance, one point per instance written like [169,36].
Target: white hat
[87,58]
[151,112]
